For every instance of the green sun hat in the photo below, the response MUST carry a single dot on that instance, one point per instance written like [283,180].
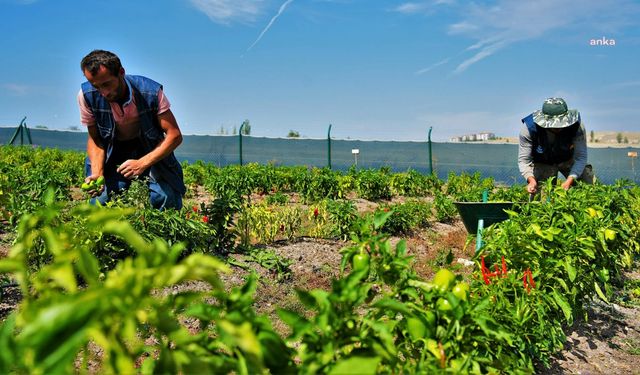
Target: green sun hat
[555,114]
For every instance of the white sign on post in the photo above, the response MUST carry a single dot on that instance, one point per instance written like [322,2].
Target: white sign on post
[355,153]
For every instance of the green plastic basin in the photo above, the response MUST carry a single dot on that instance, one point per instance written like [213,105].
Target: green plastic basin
[490,212]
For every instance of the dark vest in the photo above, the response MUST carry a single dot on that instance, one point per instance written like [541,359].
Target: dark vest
[546,151]
[145,92]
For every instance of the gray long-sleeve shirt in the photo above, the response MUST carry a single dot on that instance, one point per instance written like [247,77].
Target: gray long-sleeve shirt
[525,155]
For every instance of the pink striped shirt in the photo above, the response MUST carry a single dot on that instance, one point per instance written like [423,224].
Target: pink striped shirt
[126,117]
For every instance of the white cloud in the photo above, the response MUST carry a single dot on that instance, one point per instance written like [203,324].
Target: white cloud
[410,8]
[420,7]
[624,85]
[16,89]
[496,26]
[273,19]
[229,11]
[462,28]
[24,2]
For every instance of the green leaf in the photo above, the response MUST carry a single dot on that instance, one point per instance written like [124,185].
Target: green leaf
[425,286]
[293,319]
[385,338]
[571,270]
[568,218]
[58,332]
[511,213]
[321,297]
[88,266]
[564,304]
[8,265]
[240,335]
[380,218]
[307,299]
[356,365]
[588,252]
[276,355]
[393,305]
[599,292]
[63,274]
[7,343]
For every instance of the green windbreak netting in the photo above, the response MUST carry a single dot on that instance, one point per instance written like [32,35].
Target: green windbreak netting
[491,160]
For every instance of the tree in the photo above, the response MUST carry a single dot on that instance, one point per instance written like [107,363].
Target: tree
[41,127]
[626,140]
[619,137]
[293,134]
[234,131]
[246,127]
[592,136]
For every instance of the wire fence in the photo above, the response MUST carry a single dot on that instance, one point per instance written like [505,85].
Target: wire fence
[498,161]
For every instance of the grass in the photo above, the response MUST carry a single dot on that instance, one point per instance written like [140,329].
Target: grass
[631,346]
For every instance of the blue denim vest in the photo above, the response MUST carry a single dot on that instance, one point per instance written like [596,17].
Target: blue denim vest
[145,92]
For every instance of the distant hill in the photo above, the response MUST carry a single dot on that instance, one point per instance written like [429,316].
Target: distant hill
[600,139]
[631,139]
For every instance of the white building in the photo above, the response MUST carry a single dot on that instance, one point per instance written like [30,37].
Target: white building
[485,136]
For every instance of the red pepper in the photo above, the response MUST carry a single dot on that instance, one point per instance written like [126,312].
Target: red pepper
[527,280]
[504,267]
[315,212]
[485,272]
[205,219]
[195,209]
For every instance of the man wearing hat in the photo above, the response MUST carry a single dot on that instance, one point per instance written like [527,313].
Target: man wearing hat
[553,140]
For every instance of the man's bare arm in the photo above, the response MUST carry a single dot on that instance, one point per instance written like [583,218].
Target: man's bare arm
[173,139]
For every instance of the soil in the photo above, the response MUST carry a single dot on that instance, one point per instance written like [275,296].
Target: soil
[607,343]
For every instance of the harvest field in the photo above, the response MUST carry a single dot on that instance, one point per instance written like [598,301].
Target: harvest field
[302,270]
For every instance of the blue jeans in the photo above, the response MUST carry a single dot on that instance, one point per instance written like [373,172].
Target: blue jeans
[161,194]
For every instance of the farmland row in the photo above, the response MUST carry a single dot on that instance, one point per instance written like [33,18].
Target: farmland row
[88,275]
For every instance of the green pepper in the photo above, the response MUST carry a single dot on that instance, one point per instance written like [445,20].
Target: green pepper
[443,279]
[417,329]
[360,262]
[443,305]
[461,291]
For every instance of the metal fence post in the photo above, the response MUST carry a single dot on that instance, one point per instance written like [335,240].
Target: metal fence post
[21,129]
[430,155]
[240,140]
[329,146]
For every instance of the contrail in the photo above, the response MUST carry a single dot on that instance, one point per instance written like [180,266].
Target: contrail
[282,8]
[422,71]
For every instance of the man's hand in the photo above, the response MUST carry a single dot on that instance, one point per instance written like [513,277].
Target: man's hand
[567,184]
[131,168]
[99,187]
[532,185]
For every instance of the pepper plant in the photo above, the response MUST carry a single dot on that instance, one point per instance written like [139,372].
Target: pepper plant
[70,303]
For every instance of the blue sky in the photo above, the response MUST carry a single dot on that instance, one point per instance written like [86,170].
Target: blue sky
[374,69]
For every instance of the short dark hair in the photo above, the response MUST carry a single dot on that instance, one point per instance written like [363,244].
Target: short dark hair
[98,57]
